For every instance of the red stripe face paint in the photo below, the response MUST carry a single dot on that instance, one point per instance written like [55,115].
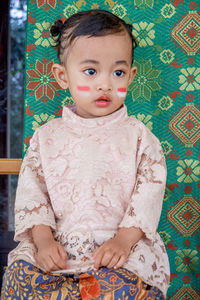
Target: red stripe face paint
[83,88]
[121,92]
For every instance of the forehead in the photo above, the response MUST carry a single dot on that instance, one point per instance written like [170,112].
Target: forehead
[113,47]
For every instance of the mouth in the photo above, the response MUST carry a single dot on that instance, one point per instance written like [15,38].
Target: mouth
[103,101]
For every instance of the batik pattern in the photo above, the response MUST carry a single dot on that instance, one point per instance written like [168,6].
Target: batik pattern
[24,281]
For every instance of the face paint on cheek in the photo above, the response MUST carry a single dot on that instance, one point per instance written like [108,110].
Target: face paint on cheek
[84,89]
[121,92]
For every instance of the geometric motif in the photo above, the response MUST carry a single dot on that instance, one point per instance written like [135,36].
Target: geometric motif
[185,215]
[185,125]
[185,293]
[187,33]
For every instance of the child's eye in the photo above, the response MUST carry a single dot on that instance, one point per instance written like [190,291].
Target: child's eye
[90,72]
[119,73]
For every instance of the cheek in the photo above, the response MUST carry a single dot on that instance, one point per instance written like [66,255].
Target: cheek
[83,90]
[121,92]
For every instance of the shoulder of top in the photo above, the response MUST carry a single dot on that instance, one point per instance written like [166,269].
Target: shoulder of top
[54,123]
[135,123]
[144,131]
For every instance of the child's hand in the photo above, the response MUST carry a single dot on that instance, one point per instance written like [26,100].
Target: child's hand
[112,254]
[115,252]
[51,256]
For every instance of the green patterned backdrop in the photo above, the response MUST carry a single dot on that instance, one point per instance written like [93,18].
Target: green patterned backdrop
[164,96]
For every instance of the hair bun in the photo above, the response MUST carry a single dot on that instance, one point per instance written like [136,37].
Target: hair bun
[56,28]
[130,27]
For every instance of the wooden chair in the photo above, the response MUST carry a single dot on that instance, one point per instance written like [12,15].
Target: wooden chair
[10,166]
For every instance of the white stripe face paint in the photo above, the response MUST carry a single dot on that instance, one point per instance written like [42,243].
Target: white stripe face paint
[121,92]
[85,90]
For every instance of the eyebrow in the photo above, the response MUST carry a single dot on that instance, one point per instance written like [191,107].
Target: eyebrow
[92,61]
[89,61]
[123,62]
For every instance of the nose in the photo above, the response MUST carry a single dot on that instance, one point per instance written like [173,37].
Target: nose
[104,84]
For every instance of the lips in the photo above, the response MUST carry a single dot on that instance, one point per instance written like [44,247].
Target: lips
[103,98]
[103,101]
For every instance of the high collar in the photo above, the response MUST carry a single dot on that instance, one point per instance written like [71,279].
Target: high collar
[75,121]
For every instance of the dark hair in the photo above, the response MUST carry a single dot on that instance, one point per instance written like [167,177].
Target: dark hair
[88,23]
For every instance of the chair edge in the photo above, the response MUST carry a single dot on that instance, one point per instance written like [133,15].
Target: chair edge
[10,165]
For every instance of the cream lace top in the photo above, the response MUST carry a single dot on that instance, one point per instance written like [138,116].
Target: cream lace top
[86,178]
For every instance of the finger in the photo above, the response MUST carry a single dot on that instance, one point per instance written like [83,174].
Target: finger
[62,252]
[121,262]
[50,265]
[58,264]
[115,259]
[107,257]
[40,262]
[97,259]
[63,257]
[95,253]
[57,259]
[43,262]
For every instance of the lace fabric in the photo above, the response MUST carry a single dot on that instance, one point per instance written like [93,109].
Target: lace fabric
[85,178]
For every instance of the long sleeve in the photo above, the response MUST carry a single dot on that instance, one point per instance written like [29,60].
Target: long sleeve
[146,201]
[32,205]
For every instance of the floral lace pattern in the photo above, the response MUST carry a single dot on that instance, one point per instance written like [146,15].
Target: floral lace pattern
[86,178]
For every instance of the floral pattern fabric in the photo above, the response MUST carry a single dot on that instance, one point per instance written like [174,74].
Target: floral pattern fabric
[164,96]
[86,178]
[104,284]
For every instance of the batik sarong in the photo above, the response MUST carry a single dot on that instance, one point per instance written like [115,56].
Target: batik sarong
[24,281]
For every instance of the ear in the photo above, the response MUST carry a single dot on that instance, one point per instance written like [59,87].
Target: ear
[132,74]
[60,75]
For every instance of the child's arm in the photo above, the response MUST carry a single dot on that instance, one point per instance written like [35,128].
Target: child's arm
[50,254]
[34,214]
[32,204]
[114,252]
[143,211]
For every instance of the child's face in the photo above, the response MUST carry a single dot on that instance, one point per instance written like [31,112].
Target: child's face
[97,72]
